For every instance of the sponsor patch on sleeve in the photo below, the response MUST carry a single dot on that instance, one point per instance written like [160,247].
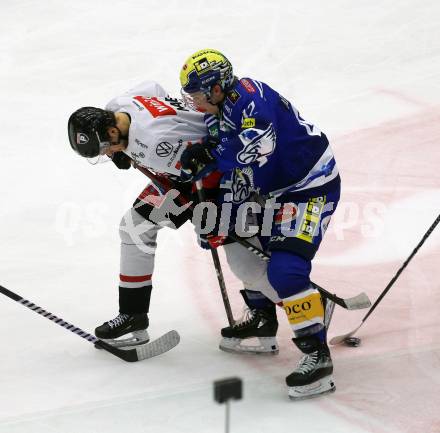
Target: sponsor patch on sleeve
[248,85]
[248,122]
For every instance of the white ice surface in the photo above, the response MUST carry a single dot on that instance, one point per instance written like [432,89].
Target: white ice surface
[367,72]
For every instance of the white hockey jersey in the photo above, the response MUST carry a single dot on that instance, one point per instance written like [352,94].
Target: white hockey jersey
[161,127]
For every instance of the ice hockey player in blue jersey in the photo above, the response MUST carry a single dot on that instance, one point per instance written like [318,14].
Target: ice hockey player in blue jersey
[270,155]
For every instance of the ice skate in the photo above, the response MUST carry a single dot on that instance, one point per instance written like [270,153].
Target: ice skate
[313,375]
[255,333]
[125,330]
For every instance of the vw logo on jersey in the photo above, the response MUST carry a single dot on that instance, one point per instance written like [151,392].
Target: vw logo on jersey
[82,138]
[164,149]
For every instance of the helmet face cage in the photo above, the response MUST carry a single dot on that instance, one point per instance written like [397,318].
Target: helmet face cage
[202,71]
[191,100]
[87,129]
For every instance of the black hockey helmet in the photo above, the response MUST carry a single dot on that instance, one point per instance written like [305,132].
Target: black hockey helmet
[87,128]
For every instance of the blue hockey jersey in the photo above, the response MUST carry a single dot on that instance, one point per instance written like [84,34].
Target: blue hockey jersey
[264,141]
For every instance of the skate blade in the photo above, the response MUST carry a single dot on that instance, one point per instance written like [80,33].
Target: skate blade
[265,346]
[135,339]
[316,389]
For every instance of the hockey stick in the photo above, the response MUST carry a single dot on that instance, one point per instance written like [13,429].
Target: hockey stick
[168,184]
[141,352]
[357,302]
[340,338]
[217,265]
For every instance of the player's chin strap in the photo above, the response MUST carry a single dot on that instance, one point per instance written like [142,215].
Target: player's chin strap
[357,302]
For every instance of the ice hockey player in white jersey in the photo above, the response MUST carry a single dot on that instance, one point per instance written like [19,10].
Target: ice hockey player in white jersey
[148,127]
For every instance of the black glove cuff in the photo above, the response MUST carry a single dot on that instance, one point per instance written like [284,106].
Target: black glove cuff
[121,160]
[211,142]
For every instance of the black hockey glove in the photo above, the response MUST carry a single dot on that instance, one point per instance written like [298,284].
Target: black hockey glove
[121,160]
[195,158]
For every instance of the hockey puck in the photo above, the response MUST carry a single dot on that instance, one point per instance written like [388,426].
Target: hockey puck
[352,341]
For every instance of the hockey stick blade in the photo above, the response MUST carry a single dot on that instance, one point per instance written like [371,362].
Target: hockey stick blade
[156,347]
[340,338]
[143,351]
[357,302]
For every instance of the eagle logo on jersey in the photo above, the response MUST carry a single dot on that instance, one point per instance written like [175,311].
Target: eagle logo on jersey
[242,184]
[258,145]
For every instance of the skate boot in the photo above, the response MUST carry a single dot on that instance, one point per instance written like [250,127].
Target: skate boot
[255,333]
[313,375]
[133,327]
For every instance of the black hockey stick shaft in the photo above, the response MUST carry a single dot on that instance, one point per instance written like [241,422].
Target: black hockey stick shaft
[340,338]
[217,265]
[405,264]
[166,183]
[48,315]
[255,250]
[125,355]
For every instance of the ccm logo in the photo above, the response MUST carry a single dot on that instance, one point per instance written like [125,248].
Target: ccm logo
[297,308]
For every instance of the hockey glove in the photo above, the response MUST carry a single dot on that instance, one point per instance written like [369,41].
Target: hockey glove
[197,161]
[208,242]
[216,241]
[121,160]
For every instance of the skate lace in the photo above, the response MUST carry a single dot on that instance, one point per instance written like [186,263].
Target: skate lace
[119,320]
[307,363]
[247,317]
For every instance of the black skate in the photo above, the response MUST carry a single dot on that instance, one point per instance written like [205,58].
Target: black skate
[132,326]
[313,375]
[255,333]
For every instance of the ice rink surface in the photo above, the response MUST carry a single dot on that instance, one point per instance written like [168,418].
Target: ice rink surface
[366,72]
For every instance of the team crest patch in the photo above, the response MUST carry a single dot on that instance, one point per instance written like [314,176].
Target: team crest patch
[258,145]
[242,184]
[233,96]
